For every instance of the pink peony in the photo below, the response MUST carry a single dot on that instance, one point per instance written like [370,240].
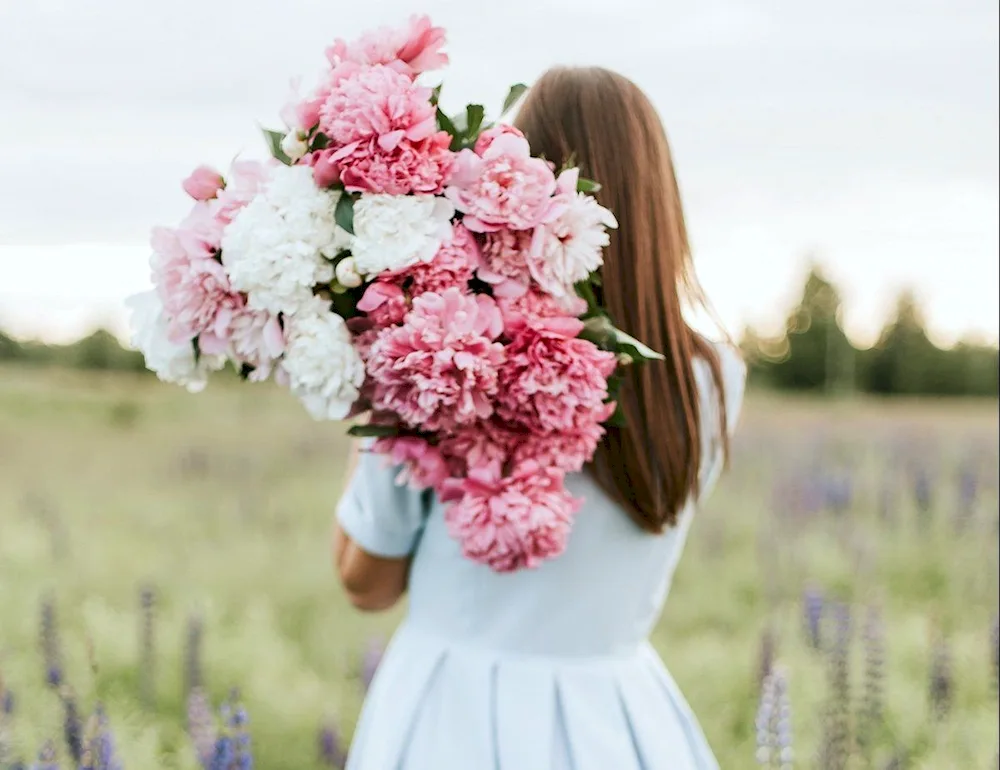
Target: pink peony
[377,103]
[513,522]
[505,260]
[326,169]
[246,178]
[486,138]
[487,443]
[565,451]
[453,265]
[412,49]
[533,306]
[423,465]
[257,340]
[410,167]
[553,382]
[384,303]
[204,183]
[506,187]
[439,369]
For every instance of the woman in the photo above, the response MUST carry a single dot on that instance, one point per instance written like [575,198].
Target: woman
[550,669]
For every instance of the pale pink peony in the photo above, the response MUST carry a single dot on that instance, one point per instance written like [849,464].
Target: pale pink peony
[553,382]
[257,340]
[439,369]
[486,138]
[514,522]
[506,187]
[204,183]
[198,301]
[423,465]
[412,49]
[505,260]
[302,114]
[200,232]
[453,265]
[384,304]
[410,167]
[569,246]
[246,178]
[377,103]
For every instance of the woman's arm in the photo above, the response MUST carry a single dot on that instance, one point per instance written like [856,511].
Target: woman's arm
[372,583]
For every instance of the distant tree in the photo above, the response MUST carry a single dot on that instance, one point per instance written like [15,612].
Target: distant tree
[819,354]
[904,358]
[10,349]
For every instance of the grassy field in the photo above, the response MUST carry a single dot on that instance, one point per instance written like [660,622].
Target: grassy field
[884,513]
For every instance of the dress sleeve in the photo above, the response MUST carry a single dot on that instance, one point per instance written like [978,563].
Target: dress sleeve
[734,375]
[382,517]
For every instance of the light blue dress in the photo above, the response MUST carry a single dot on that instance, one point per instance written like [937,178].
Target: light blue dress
[545,669]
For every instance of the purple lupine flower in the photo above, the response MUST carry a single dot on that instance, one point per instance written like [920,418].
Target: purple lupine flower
[941,683]
[331,754]
[193,678]
[201,726]
[100,751]
[72,726]
[812,614]
[836,748]
[238,723]
[764,723]
[46,758]
[870,716]
[773,723]
[50,644]
[370,662]
[838,492]
[147,648]
[7,702]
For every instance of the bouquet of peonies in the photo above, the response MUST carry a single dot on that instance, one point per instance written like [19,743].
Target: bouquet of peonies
[422,269]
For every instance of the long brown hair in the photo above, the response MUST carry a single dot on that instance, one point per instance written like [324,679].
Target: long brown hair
[608,127]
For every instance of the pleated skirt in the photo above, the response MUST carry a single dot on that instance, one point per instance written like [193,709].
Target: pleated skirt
[442,705]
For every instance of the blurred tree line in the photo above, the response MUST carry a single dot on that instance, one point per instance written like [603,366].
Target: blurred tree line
[812,354]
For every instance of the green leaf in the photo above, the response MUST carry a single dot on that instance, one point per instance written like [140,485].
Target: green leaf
[447,124]
[513,97]
[474,115]
[631,346]
[587,185]
[320,141]
[376,431]
[436,94]
[274,139]
[585,290]
[344,213]
[617,419]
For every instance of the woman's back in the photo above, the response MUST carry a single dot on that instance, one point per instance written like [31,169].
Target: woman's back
[545,668]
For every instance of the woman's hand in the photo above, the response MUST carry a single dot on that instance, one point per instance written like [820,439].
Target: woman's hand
[372,583]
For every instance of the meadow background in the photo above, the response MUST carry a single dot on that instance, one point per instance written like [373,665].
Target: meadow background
[852,548]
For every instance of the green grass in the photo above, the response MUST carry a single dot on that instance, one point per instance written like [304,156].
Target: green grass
[223,502]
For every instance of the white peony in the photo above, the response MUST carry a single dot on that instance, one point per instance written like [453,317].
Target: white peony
[280,246]
[393,232]
[171,362]
[568,249]
[295,145]
[347,273]
[323,368]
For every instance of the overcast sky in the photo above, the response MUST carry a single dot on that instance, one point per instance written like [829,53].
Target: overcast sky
[863,131]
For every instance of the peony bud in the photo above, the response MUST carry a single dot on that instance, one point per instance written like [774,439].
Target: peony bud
[294,145]
[204,183]
[347,273]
